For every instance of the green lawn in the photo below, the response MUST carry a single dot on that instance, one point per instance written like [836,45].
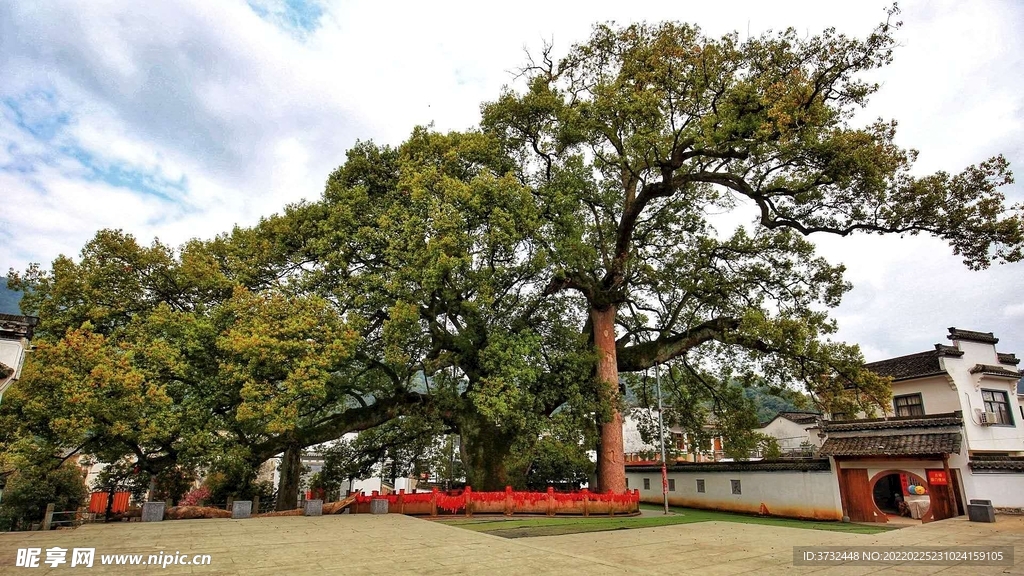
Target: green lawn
[527,527]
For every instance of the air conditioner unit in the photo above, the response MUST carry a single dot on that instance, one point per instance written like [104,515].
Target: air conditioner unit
[988,418]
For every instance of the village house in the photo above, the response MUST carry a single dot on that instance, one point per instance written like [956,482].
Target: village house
[954,433]
[678,445]
[796,432]
[15,333]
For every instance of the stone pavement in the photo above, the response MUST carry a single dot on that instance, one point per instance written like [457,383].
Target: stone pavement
[390,544]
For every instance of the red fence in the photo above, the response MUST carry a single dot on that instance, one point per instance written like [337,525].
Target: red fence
[468,502]
[98,502]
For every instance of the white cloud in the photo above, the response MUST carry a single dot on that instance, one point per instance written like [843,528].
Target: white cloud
[251,108]
[1014,310]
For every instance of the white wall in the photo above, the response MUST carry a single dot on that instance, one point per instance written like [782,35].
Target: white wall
[937,395]
[12,354]
[631,440]
[790,435]
[792,494]
[1003,489]
[961,390]
[969,388]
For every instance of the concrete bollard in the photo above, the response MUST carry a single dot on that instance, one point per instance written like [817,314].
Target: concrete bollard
[981,511]
[313,508]
[153,511]
[379,506]
[48,518]
[241,509]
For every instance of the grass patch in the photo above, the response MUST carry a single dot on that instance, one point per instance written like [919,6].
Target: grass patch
[530,527]
[564,525]
[715,516]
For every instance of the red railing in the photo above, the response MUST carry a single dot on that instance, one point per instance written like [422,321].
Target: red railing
[508,502]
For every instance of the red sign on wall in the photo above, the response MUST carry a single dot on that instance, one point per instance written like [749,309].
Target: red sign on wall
[937,478]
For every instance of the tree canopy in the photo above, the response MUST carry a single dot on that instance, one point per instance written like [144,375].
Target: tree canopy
[634,138]
[506,283]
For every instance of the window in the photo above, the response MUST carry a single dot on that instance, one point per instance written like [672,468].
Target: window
[997,401]
[647,483]
[700,486]
[671,484]
[908,405]
[735,486]
[627,481]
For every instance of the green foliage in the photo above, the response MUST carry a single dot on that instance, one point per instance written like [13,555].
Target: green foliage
[448,285]
[445,462]
[770,402]
[634,137]
[122,476]
[33,485]
[9,300]
[564,465]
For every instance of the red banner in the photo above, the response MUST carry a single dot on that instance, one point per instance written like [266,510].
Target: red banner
[98,502]
[937,478]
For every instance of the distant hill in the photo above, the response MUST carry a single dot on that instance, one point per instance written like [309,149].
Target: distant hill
[9,299]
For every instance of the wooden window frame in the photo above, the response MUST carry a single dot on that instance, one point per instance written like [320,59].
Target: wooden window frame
[1005,402]
[920,404]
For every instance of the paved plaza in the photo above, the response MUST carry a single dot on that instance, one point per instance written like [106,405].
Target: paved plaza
[395,544]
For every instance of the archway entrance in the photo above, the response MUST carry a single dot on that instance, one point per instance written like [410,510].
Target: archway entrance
[901,496]
[888,494]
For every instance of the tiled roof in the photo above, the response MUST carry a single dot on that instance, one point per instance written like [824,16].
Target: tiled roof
[1005,463]
[799,417]
[946,350]
[882,444]
[914,365]
[972,336]
[953,419]
[13,325]
[798,464]
[989,370]
[1008,358]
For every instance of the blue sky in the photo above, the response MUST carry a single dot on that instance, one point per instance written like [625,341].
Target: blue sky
[187,117]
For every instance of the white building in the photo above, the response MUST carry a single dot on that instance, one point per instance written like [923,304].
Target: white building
[678,446]
[955,429]
[15,333]
[796,432]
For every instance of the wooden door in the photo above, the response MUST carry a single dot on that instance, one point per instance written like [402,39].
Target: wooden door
[859,504]
[942,503]
[955,479]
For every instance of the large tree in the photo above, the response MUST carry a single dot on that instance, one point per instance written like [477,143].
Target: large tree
[634,140]
[194,356]
[434,243]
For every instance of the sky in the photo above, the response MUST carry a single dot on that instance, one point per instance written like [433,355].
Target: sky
[186,117]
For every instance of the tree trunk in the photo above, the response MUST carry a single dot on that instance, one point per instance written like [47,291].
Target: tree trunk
[485,449]
[611,471]
[110,504]
[152,488]
[291,469]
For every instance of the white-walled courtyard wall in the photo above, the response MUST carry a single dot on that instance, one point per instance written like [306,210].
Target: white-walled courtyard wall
[764,488]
